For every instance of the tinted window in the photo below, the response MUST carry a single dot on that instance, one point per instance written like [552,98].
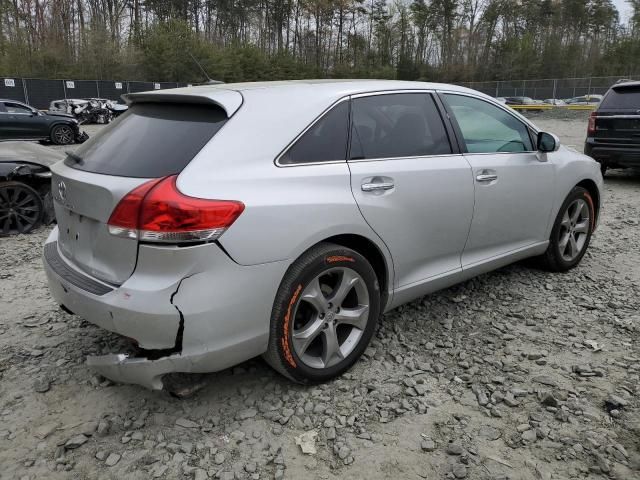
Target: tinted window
[325,141]
[149,140]
[17,108]
[487,128]
[397,125]
[622,98]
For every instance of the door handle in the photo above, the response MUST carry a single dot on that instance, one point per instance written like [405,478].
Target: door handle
[372,187]
[486,177]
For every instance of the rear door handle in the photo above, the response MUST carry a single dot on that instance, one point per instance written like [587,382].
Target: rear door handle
[372,187]
[486,177]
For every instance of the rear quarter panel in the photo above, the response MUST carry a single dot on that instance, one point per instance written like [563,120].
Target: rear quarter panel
[288,209]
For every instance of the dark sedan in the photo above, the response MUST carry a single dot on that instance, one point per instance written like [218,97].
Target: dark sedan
[19,121]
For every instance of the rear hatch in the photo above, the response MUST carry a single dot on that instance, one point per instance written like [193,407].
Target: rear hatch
[149,141]
[617,119]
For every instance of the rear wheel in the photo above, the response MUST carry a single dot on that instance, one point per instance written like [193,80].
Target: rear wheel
[324,314]
[62,135]
[21,208]
[571,232]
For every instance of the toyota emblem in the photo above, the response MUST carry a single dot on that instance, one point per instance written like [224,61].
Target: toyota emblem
[62,190]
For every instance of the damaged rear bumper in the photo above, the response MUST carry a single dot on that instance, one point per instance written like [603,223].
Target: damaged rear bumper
[188,305]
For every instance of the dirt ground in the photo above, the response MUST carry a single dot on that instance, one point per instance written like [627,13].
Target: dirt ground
[519,374]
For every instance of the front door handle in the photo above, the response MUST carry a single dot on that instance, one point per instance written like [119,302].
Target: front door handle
[486,177]
[372,187]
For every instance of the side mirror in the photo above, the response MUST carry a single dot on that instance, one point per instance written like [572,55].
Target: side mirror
[548,142]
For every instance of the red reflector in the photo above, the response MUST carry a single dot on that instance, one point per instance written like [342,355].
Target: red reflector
[156,211]
[591,126]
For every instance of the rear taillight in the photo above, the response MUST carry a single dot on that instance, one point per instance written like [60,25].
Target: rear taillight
[591,126]
[157,212]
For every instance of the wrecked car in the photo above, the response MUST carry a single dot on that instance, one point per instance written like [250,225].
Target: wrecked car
[89,110]
[25,186]
[19,121]
[213,224]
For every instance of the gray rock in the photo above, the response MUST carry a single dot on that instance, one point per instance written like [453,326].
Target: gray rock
[200,474]
[459,471]
[41,385]
[75,442]
[218,459]
[614,402]
[454,449]
[112,459]
[428,445]
[248,413]
[186,423]
[549,400]
[545,380]
[489,433]
[103,428]
[529,436]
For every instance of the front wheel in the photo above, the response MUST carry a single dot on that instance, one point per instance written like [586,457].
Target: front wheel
[62,135]
[571,232]
[324,314]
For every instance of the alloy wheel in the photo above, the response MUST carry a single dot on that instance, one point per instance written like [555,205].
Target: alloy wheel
[330,317]
[574,229]
[63,135]
[20,209]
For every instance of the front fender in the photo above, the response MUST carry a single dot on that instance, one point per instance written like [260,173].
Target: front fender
[572,168]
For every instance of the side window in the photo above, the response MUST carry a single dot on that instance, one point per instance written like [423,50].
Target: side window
[397,125]
[325,141]
[487,128]
[17,108]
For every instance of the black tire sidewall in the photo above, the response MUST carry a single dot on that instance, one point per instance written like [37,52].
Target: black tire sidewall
[288,298]
[577,193]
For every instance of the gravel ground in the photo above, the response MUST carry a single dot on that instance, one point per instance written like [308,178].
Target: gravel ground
[518,374]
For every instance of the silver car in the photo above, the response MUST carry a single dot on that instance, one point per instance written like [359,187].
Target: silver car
[214,224]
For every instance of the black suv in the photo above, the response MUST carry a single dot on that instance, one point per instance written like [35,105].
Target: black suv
[613,134]
[19,121]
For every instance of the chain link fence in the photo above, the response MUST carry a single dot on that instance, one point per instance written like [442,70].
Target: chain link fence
[552,88]
[39,92]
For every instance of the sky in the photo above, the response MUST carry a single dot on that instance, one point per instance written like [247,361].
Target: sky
[624,9]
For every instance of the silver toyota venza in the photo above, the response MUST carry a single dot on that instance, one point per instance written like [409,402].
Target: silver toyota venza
[213,224]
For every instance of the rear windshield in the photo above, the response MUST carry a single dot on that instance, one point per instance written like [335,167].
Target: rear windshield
[622,98]
[149,140]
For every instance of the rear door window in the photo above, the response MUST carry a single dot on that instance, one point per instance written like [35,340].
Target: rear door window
[150,140]
[397,125]
[324,141]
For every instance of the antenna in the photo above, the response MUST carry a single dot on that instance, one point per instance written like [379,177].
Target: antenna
[209,81]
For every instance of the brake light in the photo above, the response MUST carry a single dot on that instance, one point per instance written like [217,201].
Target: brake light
[591,126]
[156,211]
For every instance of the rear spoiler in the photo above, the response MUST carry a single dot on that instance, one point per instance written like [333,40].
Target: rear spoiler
[626,85]
[229,100]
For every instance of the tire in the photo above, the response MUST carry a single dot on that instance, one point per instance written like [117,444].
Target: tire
[62,135]
[21,208]
[311,340]
[562,255]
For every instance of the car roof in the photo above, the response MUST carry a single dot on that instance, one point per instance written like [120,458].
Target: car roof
[230,96]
